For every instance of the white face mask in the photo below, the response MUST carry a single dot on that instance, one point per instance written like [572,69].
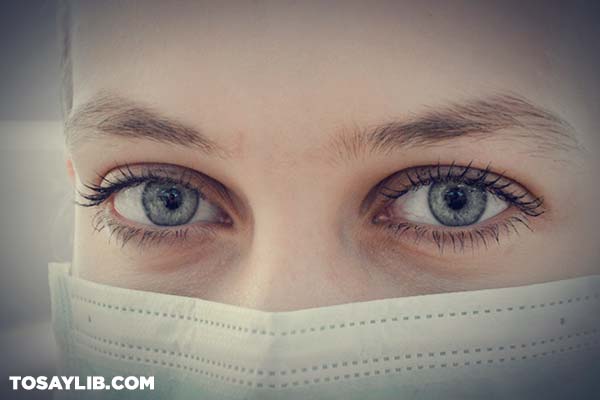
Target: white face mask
[537,341]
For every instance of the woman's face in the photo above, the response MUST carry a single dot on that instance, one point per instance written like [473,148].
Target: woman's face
[285,156]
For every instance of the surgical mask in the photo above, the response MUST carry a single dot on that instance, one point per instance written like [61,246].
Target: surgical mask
[536,341]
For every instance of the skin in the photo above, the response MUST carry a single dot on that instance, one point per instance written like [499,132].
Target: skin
[274,84]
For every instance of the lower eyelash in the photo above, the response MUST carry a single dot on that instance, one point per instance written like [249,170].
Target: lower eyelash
[123,234]
[462,239]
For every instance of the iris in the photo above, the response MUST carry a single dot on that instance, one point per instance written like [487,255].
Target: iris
[457,204]
[169,204]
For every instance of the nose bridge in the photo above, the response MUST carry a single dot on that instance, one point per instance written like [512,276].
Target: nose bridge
[298,236]
[283,281]
[294,255]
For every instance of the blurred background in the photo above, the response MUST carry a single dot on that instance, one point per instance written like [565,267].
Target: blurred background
[35,200]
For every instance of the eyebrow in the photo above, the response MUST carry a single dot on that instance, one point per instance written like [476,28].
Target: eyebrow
[111,115]
[501,116]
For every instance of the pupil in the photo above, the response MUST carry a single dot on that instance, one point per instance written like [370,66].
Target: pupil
[171,198]
[455,198]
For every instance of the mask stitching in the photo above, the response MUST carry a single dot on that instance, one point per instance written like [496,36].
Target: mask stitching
[259,384]
[337,365]
[342,325]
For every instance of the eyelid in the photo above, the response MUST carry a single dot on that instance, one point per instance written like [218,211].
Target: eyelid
[130,175]
[124,230]
[522,204]
[499,184]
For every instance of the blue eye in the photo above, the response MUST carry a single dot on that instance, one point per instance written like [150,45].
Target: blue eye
[453,196]
[165,204]
[464,206]
[448,204]
[169,204]
[457,204]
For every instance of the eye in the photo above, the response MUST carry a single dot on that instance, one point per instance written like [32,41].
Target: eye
[152,203]
[165,204]
[452,204]
[465,206]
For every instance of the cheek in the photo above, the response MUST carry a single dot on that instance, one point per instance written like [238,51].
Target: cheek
[571,234]
[165,268]
[530,258]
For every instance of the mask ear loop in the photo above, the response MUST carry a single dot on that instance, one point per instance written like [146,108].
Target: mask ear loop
[62,316]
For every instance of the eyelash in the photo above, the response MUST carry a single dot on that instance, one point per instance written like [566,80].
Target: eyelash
[98,194]
[461,238]
[418,177]
[126,178]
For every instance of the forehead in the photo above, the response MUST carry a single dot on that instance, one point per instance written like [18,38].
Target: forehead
[315,66]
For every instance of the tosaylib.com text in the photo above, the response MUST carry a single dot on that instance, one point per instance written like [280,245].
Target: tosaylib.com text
[81,383]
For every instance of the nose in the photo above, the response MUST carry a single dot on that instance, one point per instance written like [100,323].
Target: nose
[296,258]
